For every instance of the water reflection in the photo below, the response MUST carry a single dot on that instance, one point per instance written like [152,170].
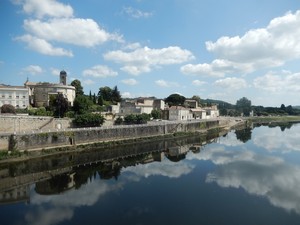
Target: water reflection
[56,188]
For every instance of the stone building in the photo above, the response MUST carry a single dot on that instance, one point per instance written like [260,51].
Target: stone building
[40,93]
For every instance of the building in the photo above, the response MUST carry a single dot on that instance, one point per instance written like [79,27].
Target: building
[140,105]
[179,113]
[17,96]
[41,93]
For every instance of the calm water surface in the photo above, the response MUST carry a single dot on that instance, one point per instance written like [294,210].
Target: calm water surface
[244,177]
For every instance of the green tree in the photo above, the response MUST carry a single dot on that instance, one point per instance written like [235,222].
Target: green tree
[175,100]
[78,88]
[82,104]
[105,93]
[156,114]
[118,121]
[198,99]
[61,106]
[115,95]
[243,105]
[88,120]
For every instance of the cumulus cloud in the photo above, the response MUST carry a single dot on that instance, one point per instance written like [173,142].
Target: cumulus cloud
[279,82]
[164,83]
[136,13]
[267,176]
[231,83]
[43,8]
[143,60]
[260,48]
[59,27]
[100,71]
[198,82]
[274,140]
[32,70]
[66,30]
[129,81]
[42,46]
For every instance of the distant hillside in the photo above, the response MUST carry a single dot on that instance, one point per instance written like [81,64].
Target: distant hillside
[296,107]
[222,104]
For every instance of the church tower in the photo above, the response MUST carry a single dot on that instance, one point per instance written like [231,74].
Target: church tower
[63,77]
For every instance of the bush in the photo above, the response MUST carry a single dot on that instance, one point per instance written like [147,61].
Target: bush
[88,120]
[7,108]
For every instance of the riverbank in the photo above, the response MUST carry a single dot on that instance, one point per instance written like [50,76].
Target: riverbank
[79,139]
[273,119]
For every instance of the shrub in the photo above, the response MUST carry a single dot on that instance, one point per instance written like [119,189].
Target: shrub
[7,108]
[88,120]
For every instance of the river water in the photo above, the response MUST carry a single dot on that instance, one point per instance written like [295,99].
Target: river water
[249,176]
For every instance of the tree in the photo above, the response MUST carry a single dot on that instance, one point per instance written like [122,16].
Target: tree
[7,108]
[156,114]
[105,93]
[88,120]
[198,99]
[82,104]
[175,100]
[61,106]
[243,105]
[115,95]
[78,88]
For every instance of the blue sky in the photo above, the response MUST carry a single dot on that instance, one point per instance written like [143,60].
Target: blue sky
[220,49]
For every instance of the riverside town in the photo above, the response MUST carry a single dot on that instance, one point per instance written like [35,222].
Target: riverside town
[140,112]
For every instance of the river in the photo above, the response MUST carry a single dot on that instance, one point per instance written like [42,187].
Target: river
[249,176]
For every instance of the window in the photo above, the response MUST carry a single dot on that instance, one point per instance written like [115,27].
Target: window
[17,96]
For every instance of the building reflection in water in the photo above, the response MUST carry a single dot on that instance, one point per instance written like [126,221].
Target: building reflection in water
[57,174]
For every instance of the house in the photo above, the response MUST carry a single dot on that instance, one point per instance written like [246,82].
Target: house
[179,113]
[17,96]
[140,105]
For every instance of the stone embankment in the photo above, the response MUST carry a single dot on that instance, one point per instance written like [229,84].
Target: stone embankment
[54,138]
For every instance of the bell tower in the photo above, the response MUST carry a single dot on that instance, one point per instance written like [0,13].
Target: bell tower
[63,77]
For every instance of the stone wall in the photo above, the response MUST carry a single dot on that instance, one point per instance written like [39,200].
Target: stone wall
[72,137]
[11,124]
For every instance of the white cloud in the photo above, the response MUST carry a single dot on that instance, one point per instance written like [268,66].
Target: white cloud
[76,31]
[88,82]
[280,82]
[43,47]
[142,60]
[33,70]
[130,81]
[100,71]
[276,180]
[43,8]
[136,13]
[231,83]
[58,27]
[163,83]
[258,48]
[127,95]
[198,82]
[55,71]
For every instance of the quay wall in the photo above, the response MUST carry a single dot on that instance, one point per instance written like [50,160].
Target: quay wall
[23,123]
[76,136]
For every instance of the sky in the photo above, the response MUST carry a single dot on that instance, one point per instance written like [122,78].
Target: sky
[217,49]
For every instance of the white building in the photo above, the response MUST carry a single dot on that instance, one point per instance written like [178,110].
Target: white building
[17,96]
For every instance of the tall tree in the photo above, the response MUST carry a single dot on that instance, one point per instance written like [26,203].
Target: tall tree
[82,104]
[175,100]
[243,105]
[115,95]
[78,88]
[105,93]
[61,106]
